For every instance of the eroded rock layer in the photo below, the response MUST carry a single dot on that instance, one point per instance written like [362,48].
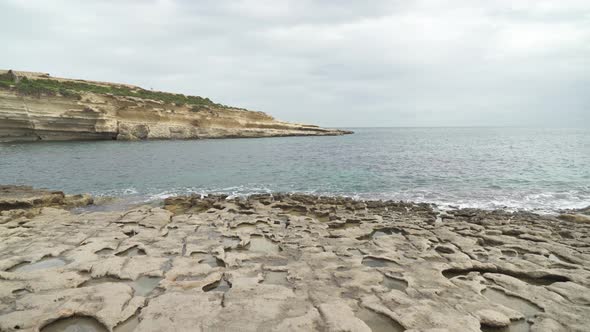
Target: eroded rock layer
[293,263]
[27,114]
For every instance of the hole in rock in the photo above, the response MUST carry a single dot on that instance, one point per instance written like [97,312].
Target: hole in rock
[75,324]
[394,283]
[386,231]
[378,322]
[377,262]
[344,225]
[510,253]
[523,306]
[20,292]
[219,286]
[262,244]
[212,261]
[45,263]
[444,250]
[355,251]
[187,278]
[515,326]
[143,286]
[540,281]
[245,227]
[276,278]
[133,251]
[268,261]
[100,281]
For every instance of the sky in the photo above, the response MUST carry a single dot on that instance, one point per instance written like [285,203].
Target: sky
[333,63]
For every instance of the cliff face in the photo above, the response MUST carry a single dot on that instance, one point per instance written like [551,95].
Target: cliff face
[76,111]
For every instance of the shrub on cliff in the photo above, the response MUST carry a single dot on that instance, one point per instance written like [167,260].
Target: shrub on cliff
[7,77]
[38,87]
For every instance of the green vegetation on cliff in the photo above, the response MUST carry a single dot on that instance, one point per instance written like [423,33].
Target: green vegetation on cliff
[38,87]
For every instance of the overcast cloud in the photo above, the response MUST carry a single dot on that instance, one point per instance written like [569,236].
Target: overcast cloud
[334,63]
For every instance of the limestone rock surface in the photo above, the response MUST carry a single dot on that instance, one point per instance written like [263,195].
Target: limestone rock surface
[291,263]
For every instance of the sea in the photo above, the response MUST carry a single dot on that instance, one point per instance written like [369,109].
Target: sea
[539,170]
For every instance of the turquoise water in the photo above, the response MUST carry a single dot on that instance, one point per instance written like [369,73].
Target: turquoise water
[533,169]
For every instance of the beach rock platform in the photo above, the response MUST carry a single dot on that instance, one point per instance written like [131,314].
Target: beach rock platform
[292,263]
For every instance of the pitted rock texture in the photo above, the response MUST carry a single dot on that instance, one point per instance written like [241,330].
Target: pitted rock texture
[95,116]
[294,263]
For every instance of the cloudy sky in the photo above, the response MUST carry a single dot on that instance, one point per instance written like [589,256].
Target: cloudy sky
[334,63]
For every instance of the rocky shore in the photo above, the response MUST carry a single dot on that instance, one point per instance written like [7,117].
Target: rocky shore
[39,107]
[289,263]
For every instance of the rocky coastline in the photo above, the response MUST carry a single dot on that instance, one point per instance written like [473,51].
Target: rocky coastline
[39,107]
[287,263]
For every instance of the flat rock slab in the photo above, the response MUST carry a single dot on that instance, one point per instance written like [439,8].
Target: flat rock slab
[291,263]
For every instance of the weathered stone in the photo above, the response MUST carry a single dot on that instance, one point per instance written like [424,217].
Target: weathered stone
[200,264]
[492,318]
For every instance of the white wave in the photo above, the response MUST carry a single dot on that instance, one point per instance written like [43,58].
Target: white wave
[540,202]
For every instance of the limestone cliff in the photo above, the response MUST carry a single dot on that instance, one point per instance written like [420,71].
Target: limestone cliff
[36,106]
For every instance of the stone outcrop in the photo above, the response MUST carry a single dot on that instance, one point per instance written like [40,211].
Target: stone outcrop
[88,115]
[25,197]
[293,263]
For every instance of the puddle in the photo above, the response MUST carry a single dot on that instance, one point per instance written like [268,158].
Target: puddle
[385,232]
[394,283]
[296,212]
[527,308]
[99,281]
[262,244]
[75,324]
[143,286]
[133,251]
[218,286]
[378,322]
[45,263]
[515,326]
[345,225]
[129,325]
[212,261]
[379,234]
[276,278]
[377,262]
